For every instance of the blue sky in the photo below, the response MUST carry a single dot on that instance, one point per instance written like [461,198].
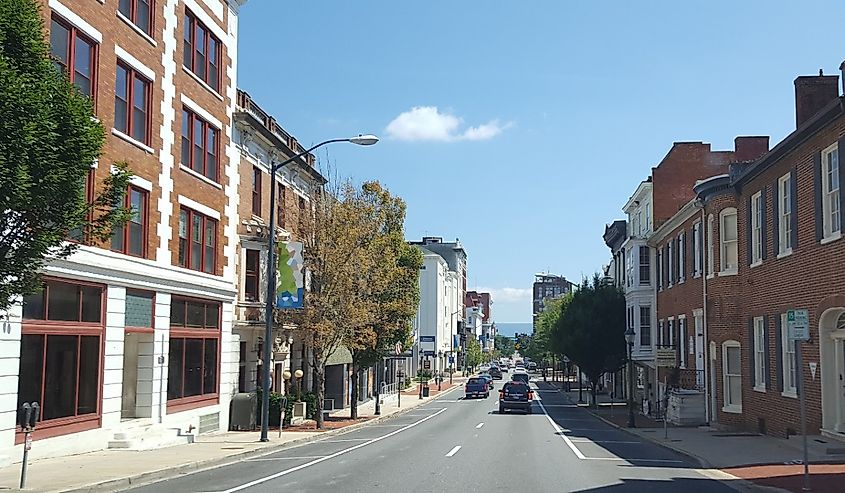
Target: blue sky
[522,127]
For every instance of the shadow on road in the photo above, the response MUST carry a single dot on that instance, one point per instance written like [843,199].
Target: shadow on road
[685,485]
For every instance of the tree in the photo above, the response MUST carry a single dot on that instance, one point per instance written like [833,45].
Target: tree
[505,345]
[592,329]
[391,288]
[474,354]
[49,139]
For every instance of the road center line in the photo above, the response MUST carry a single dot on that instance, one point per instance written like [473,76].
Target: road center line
[453,451]
[559,432]
[332,456]
[479,425]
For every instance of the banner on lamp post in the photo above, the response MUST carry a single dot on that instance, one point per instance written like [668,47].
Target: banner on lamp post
[290,275]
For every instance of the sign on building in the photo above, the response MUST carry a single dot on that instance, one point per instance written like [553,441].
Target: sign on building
[665,357]
[798,323]
[290,276]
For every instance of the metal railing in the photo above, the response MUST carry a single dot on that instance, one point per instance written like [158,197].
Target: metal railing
[691,379]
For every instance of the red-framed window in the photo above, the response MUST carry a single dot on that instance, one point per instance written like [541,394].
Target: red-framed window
[256,191]
[200,145]
[61,354]
[197,241]
[75,54]
[251,278]
[194,353]
[139,12]
[131,239]
[132,104]
[201,51]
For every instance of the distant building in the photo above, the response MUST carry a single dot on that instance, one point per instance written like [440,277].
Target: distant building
[546,287]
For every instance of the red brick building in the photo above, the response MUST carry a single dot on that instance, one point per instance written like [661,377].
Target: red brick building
[777,246]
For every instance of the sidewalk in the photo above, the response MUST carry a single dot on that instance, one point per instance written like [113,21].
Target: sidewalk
[110,470]
[760,459]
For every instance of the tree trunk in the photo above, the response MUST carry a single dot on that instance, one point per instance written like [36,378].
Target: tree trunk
[353,392]
[320,394]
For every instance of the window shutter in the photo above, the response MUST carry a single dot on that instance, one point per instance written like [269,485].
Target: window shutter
[778,354]
[841,184]
[767,366]
[793,216]
[751,348]
[775,219]
[749,214]
[763,230]
[817,192]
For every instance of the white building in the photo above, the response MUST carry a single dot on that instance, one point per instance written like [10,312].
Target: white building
[437,318]
[638,274]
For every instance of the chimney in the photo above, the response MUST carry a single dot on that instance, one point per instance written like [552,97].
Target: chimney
[812,93]
[749,148]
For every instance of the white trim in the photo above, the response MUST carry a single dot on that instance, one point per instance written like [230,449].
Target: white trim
[784,190]
[136,28]
[196,108]
[732,409]
[786,253]
[141,183]
[758,263]
[129,139]
[793,395]
[830,239]
[200,176]
[726,273]
[77,21]
[134,63]
[202,209]
[206,19]
[203,83]
[759,363]
[829,234]
[723,244]
[756,228]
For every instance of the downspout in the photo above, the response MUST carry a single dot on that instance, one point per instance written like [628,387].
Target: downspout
[704,254]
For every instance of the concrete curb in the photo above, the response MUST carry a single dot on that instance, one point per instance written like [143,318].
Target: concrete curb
[203,465]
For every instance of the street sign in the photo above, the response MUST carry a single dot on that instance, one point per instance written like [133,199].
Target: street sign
[428,353]
[798,322]
[426,364]
[426,338]
[451,359]
[665,357]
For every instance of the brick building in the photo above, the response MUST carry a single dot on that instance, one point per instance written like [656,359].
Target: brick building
[786,209]
[134,336]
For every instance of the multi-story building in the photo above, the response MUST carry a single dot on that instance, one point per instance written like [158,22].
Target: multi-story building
[774,229]
[261,142]
[484,303]
[135,335]
[436,323]
[546,287]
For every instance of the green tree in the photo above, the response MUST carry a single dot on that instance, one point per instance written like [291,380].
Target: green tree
[592,330]
[49,140]
[505,345]
[474,354]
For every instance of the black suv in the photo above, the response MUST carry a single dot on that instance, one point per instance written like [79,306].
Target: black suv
[495,372]
[515,395]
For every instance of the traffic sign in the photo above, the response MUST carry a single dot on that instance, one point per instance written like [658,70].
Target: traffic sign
[428,353]
[426,364]
[798,323]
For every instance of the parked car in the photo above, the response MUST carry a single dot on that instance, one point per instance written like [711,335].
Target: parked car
[495,372]
[515,395]
[476,387]
[520,376]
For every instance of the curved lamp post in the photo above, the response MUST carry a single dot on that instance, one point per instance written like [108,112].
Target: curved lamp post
[362,140]
[629,338]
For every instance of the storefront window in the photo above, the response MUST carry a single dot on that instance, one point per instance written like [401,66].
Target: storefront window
[194,350]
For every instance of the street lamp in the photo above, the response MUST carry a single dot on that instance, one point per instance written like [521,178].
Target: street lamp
[363,140]
[629,338]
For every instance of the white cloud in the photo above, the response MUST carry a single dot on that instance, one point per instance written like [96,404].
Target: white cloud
[507,295]
[422,123]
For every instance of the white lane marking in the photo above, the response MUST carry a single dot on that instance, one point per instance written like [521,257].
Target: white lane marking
[332,456]
[479,425]
[559,432]
[260,459]
[586,440]
[453,451]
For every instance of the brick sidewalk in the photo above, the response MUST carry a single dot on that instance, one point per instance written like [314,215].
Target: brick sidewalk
[824,478]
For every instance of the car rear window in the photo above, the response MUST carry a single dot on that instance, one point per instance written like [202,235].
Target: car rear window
[515,387]
[476,380]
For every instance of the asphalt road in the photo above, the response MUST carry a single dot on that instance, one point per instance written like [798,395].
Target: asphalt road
[454,444]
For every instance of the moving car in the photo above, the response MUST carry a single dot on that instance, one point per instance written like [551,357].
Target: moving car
[476,387]
[487,377]
[532,366]
[515,395]
[520,376]
[495,372]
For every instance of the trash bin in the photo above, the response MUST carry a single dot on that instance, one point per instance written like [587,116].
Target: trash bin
[425,391]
